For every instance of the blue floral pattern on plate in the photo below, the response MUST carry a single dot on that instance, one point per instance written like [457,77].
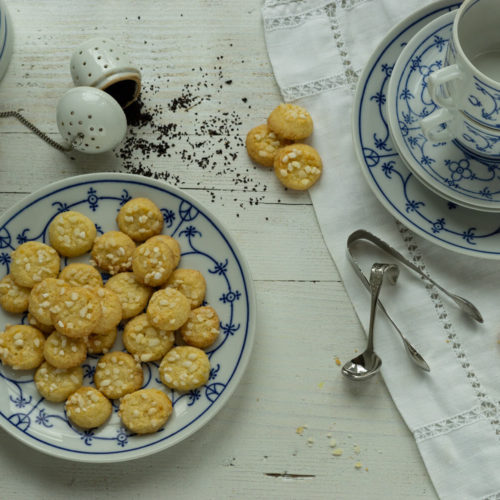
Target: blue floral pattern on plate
[437,164]
[445,223]
[205,246]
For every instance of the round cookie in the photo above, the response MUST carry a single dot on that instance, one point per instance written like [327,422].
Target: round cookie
[133,296]
[55,384]
[72,233]
[184,368]
[168,309]
[202,328]
[191,283]
[140,218]
[13,297]
[111,310]
[145,411]
[144,341]
[78,314]
[98,343]
[290,121]
[262,145]
[45,298]
[298,166]
[80,274]
[118,373]
[21,347]
[63,352]
[32,262]
[173,245]
[88,408]
[153,262]
[112,252]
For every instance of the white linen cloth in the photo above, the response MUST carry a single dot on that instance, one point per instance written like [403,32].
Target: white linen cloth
[317,49]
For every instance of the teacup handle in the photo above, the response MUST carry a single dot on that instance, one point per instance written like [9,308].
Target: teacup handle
[440,77]
[430,124]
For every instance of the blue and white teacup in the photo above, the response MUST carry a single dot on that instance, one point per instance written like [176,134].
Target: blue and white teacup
[470,80]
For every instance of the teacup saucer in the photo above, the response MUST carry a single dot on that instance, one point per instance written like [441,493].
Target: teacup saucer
[447,168]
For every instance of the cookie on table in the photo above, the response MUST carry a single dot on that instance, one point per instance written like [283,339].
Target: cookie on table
[99,343]
[191,283]
[133,296]
[88,408]
[184,368]
[81,274]
[290,121]
[64,352]
[45,298]
[168,309]
[144,341]
[32,262]
[45,329]
[202,327]
[172,243]
[140,218]
[13,297]
[21,347]
[262,145]
[112,252]
[118,373]
[153,262]
[72,233]
[298,166]
[111,310]
[56,384]
[78,314]
[145,411]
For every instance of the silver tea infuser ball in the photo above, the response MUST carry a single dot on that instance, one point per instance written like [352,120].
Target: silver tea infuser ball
[90,120]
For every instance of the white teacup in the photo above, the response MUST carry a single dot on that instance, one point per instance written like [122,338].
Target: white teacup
[102,64]
[470,80]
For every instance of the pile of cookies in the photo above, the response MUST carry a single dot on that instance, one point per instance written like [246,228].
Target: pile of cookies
[72,313]
[277,144]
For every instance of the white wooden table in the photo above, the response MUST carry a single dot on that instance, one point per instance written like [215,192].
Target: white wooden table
[273,438]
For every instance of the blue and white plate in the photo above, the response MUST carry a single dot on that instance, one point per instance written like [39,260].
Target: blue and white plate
[445,223]
[445,167]
[206,245]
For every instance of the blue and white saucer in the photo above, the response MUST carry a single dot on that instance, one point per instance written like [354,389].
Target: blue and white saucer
[447,168]
[442,222]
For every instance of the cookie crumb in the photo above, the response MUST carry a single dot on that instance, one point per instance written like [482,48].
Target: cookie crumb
[333,443]
[337,452]
[358,465]
[338,362]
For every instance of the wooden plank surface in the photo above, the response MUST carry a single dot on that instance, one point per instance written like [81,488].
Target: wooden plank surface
[273,438]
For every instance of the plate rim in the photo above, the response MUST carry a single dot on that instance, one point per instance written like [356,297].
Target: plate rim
[244,358]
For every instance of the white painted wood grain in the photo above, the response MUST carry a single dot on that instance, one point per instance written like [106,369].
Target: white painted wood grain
[305,320]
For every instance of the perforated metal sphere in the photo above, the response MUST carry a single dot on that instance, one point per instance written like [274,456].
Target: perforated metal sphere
[91,120]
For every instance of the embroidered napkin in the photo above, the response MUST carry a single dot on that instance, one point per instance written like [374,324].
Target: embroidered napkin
[317,49]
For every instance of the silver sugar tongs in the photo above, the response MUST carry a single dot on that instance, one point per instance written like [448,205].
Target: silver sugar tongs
[463,304]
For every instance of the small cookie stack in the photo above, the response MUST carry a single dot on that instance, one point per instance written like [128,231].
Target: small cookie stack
[72,313]
[277,144]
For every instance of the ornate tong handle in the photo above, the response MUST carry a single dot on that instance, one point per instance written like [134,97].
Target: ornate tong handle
[463,304]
